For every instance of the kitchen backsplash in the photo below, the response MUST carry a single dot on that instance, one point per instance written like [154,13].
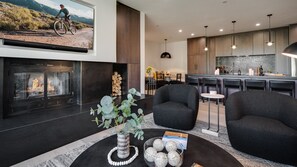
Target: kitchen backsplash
[245,62]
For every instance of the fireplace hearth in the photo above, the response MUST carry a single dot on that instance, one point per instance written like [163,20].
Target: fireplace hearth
[38,84]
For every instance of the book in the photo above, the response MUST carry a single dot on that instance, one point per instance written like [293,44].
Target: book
[180,138]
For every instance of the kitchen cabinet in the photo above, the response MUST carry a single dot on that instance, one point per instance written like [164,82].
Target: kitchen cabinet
[283,63]
[211,56]
[244,43]
[223,45]
[258,43]
[197,62]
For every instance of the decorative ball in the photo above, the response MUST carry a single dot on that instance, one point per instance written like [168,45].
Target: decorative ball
[173,158]
[161,159]
[150,154]
[158,144]
[171,146]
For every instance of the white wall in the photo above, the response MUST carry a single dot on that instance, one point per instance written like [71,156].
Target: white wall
[104,44]
[178,61]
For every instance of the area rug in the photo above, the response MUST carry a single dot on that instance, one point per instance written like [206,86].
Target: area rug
[65,159]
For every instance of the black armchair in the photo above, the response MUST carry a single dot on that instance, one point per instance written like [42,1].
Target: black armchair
[263,124]
[176,106]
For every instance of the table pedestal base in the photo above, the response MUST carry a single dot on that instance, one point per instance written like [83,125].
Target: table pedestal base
[209,132]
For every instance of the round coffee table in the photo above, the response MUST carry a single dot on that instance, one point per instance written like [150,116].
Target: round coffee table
[199,150]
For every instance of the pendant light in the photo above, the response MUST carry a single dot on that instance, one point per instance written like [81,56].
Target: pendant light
[269,43]
[206,48]
[291,50]
[165,54]
[233,37]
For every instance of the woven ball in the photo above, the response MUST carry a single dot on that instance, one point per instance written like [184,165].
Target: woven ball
[173,158]
[161,159]
[158,145]
[150,154]
[171,146]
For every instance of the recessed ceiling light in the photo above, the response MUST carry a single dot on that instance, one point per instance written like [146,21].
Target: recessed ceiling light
[221,30]
[180,30]
[192,34]
[258,24]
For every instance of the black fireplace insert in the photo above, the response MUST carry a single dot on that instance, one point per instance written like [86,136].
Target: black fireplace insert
[37,84]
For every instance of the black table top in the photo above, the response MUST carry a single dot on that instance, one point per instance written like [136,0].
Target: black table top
[199,150]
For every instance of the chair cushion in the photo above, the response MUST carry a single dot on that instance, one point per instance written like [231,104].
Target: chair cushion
[174,115]
[263,137]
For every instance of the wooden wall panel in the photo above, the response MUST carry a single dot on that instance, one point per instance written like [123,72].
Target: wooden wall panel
[128,34]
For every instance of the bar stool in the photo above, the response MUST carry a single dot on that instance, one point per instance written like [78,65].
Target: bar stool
[210,83]
[282,86]
[255,84]
[231,83]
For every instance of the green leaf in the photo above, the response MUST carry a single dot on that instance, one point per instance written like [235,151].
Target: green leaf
[132,91]
[129,96]
[140,111]
[97,120]
[134,116]
[138,94]
[132,122]
[120,119]
[106,101]
[92,111]
[107,109]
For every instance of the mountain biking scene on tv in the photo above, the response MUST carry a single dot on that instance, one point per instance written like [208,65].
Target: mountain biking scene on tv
[57,22]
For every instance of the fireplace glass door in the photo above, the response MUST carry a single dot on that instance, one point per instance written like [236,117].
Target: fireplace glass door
[58,83]
[28,85]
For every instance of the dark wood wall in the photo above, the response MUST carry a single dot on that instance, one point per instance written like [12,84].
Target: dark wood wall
[96,80]
[128,42]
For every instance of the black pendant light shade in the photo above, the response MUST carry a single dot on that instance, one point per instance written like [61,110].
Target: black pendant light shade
[206,48]
[233,37]
[269,43]
[291,50]
[165,54]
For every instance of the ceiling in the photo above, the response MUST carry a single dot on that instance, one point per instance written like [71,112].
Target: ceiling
[165,17]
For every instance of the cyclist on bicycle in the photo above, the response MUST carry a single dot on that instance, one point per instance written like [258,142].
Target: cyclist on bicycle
[66,14]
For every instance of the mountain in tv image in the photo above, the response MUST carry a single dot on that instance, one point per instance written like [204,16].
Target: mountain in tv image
[33,21]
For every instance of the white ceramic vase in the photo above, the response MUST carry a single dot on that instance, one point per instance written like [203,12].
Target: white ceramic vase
[123,145]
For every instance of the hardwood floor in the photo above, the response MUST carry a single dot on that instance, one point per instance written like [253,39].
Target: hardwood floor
[203,113]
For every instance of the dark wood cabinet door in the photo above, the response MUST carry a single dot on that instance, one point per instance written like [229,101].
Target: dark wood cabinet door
[197,62]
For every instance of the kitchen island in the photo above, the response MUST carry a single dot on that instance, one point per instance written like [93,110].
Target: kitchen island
[193,79]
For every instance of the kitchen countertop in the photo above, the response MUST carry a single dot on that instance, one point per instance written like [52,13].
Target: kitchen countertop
[244,76]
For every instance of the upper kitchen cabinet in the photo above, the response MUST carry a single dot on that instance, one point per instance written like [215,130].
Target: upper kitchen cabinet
[269,49]
[196,46]
[197,62]
[244,43]
[128,35]
[283,63]
[258,43]
[223,45]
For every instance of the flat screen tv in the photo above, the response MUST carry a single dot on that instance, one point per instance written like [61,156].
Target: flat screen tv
[54,22]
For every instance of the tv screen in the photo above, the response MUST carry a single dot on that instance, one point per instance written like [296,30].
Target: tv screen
[56,22]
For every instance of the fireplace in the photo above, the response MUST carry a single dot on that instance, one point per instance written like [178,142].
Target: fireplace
[38,84]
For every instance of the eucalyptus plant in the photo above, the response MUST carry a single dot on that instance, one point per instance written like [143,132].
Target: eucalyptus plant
[108,114]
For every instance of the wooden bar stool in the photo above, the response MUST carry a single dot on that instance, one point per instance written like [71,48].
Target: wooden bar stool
[255,84]
[282,86]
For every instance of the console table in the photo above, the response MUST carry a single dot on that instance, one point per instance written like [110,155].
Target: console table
[199,150]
